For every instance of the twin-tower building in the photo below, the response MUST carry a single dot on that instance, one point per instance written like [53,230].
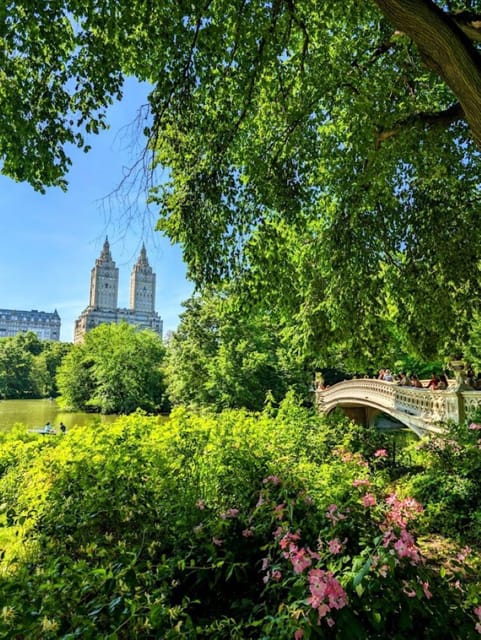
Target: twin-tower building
[104,287]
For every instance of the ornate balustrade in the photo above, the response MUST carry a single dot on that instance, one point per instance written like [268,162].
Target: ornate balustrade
[422,410]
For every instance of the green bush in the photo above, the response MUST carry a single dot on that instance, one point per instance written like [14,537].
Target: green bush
[272,525]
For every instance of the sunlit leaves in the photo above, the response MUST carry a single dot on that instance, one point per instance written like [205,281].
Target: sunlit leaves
[117,369]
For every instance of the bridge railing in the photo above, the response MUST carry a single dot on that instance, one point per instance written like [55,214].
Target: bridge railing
[419,405]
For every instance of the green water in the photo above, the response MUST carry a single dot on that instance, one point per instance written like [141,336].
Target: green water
[36,413]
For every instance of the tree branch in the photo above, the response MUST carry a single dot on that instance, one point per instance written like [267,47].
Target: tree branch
[469,23]
[437,118]
[445,48]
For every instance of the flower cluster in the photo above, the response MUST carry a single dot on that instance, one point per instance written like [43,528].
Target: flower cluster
[326,591]
[394,526]
[333,514]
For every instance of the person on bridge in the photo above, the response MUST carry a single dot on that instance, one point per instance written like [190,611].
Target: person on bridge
[433,383]
[443,383]
[416,382]
[404,380]
[470,380]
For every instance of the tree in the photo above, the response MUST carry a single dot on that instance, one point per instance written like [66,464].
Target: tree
[48,361]
[28,366]
[117,369]
[349,130]
[17,379]
[224,356]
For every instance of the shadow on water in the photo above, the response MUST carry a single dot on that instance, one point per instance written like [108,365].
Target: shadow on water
[36,413]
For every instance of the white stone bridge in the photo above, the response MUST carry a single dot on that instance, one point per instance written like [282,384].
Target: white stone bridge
[422,410]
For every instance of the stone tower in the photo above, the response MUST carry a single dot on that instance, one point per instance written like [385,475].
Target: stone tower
[142,285]
[104,285]
[104,281]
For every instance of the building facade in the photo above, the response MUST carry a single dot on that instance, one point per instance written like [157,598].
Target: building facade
[45,325]
[104,286]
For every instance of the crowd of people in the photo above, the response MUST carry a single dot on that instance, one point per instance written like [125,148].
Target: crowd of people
[437,381]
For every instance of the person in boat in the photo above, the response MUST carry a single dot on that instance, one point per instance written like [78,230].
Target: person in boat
[47,428]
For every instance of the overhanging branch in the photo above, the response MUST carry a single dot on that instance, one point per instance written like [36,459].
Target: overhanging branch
[436,118]
[446,48]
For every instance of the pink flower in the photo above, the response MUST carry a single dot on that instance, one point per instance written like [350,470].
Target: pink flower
[299,560]
[425,586]
[364,482]
[299,634]
[402,510]
[474,427]
[477,612]
[333,514]
[288,539]
[369,500]
[272,480]
[326,592]
[406,548]
[335,546]
[247,533]
[464,553]
[217,541]
[380,453]
[276,575]
[200,504]
[278,532]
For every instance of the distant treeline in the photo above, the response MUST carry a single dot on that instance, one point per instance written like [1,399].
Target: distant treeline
[28,366]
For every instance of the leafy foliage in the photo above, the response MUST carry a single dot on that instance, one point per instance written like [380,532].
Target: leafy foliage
[322,149]
[28,366]
[117,369]
[227,355]
[223,526]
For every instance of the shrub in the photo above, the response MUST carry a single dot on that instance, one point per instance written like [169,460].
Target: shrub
[235,525]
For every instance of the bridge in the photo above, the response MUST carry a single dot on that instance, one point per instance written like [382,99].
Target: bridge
[421,410]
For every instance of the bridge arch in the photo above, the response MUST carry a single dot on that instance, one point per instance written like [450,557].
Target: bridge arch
[421,410]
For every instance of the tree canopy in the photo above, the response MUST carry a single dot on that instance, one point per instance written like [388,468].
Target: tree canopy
[328,151]
[117,369]
[28,366]
[224,357]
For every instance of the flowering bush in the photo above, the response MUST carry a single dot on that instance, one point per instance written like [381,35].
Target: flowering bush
[231,526]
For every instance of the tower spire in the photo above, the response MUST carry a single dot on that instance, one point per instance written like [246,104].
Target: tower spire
[104,281]
[142,285]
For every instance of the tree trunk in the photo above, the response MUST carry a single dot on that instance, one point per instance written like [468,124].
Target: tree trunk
[445,48]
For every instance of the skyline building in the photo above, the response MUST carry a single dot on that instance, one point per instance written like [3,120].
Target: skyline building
[103,304]
[45,325]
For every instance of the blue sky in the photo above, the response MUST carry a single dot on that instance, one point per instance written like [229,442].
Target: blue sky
[49,243]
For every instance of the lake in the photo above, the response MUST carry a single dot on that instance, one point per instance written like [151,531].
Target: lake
[36,413]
